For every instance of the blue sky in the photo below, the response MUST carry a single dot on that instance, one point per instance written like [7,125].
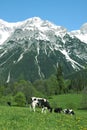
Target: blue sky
[68,13]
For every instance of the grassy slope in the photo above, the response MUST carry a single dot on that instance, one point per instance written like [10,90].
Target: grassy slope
[19,118]
[67,101]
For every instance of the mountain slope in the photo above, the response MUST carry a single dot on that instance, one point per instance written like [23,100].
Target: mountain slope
[34,48]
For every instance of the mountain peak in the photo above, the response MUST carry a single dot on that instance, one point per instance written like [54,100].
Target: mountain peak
[84,28]
[34,19]
[44,28]
[81,34]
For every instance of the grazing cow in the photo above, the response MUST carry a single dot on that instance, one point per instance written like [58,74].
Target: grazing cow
[58,110]
[68,111]
[40,102]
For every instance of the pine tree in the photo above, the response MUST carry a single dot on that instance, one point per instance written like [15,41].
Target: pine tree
[60,79]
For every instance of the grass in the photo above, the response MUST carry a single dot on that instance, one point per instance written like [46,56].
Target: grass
[20,118]
[67,101]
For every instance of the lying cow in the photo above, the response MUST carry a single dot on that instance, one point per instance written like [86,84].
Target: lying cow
[40,102]
[68,111]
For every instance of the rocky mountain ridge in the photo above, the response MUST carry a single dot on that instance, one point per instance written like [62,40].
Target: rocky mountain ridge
[32,49]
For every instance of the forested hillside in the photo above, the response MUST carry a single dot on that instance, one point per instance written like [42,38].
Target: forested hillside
[19,93]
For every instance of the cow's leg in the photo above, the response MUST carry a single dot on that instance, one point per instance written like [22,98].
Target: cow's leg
[32,106]
[44,109]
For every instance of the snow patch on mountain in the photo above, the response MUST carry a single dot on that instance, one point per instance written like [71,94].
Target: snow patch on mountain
[81,34]
[3,53]
[74,64]
[8,78]
[42,37]
[6,29]
[44,28]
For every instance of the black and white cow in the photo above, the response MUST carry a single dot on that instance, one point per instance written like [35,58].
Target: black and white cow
[68,111]
[40,102]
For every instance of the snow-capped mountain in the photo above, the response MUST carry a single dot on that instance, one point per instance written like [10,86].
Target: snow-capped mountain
[32,49]
[81,34]
[32,24]
[35,23]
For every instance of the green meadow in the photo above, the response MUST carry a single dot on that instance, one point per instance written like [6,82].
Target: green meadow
[21,118]
[72,101]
